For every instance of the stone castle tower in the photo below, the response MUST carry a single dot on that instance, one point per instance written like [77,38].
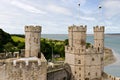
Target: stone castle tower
[86,64]
[32,41]
[99,38]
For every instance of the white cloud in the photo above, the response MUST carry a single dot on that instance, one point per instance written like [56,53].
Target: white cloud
[87,18]
[112,7]
[58,9]
[27,7]
[82,2]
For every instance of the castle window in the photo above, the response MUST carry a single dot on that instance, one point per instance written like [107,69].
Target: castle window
[98,49]
[92,46]
[79,75]
[99,44]
[96,73]
[93,59]
[79,62]
[102,59]
[89,73]
[87,79]
[82,50]
[79,68]
[75,72]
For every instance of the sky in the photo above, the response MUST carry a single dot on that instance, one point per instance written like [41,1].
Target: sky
[56,15]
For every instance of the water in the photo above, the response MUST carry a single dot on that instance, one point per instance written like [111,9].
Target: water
[111,41]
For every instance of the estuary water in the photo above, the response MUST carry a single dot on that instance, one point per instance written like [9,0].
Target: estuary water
[111,41]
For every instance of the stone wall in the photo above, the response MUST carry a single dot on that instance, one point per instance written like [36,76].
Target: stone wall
[22,69]
[110,77]
[59,72]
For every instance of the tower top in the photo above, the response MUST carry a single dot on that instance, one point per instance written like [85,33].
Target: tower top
[98,29]
[33,28]
[75,28]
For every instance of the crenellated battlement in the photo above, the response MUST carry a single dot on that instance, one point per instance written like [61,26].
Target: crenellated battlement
[69,49]
[26,62]
[99,28]
[33,28]
[93,51]
[75,28]
[74,50]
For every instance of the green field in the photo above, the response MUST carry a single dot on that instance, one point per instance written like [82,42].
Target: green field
[16,39]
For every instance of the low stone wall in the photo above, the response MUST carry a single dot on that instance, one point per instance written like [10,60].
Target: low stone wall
[110,77]
[59,72]
[15,69]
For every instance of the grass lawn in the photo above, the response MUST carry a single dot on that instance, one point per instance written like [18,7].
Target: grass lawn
[16,39]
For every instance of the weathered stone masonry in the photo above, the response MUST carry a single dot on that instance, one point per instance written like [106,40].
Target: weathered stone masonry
[80,63]
[33,66]
[86,64]
[32,41]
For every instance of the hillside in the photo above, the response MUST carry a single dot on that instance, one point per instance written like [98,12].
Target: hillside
[17,39]
[4,39]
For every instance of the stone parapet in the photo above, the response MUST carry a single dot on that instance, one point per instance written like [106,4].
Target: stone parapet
[110,77]
[75,28]
[55,67]
[33,28]
[98,29]
[69,49]
[26,63]
[94,51]
[74,50]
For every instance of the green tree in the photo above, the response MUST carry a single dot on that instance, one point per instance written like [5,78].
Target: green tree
[21,45]
[46,49]
[4,39]
[9,47]
[66,42]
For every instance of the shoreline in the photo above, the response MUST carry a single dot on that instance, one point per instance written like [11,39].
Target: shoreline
[109,57]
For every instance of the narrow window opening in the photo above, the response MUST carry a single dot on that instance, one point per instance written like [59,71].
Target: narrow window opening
[79,68]
[79,75]
[96,73]
[98,48]
[93,59]
[79,62]
[102,59]
[89,73]
[75,72]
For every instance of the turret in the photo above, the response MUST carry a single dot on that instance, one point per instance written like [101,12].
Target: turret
[77,35]
[32,41]
[99,38]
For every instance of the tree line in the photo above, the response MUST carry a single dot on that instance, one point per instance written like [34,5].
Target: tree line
[49,47]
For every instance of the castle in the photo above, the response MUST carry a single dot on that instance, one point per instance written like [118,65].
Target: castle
[81,63]
[86,64]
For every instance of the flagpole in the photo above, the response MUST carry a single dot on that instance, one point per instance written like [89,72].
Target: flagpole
[100,14]
[79,13]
